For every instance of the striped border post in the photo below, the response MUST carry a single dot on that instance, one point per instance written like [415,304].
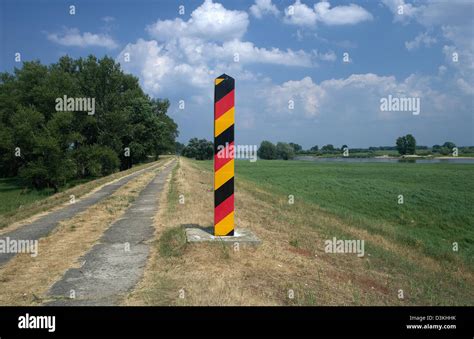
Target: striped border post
[224,156]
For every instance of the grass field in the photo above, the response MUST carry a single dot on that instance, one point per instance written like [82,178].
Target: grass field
[437,198]
[13,195]
[408,247]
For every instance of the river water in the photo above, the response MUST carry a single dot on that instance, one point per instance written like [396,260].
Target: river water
[389,160]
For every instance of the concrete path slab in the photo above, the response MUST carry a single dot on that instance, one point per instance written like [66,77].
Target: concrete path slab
[44,225]
[114,265]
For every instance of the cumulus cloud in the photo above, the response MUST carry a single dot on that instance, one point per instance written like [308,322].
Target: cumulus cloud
[355,97]
[73,37]
[303,94]
[302,15]
[421,39]
[402,12]
[209,21]
[328,56]
[455,21]
[263,7]
[192,52]
[341,15]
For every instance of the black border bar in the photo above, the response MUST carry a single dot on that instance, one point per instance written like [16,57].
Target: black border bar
[221,322]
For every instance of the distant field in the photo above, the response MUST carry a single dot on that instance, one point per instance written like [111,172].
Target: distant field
[436,212]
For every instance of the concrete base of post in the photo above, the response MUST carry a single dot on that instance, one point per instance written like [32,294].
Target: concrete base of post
[242,236]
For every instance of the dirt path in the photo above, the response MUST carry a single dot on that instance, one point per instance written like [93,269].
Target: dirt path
[43,226]
[114,265]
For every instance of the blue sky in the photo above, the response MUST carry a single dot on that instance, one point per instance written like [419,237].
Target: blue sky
[278,51]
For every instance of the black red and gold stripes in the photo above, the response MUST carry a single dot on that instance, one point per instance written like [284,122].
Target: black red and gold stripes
[224,156]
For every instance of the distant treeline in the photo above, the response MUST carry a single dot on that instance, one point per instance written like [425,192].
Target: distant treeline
[202,149]
[77,118]
[404,145]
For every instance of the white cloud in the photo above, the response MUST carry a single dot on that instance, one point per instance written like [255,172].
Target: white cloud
[465,86]
[328,56]
[262,7]
[248,53]
[421,39]
[194,63]
[402,12]
[302,15]
[352,98]
[299,14]
[305,95]
[191,53]
[454,18]
[73,37]
[341,15]
[209,21]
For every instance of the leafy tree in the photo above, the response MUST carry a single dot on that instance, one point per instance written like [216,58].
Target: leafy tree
[297,148]
[401,145]
[267,150]
[449,145]
[199,149]
[406,144]
[179,147]
[49,166]
[315,148]
[411,144]
[284,151]
[49,147]
[327,148]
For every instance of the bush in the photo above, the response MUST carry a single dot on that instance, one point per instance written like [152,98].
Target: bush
[267,150]
[284,151]
[199,149]
[96,160]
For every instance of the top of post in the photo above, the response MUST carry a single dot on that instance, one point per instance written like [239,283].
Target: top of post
[223,77]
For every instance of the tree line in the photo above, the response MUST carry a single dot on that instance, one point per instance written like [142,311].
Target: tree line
[202,149]
[48,147]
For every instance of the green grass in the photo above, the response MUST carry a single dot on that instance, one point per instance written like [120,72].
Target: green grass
[172,242]
[173,189]
[436,212]
[13,195]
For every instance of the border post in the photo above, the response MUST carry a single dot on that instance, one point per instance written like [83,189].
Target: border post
[224,155]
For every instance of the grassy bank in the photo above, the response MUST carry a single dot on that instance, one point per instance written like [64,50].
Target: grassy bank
[292,260]
[437,198]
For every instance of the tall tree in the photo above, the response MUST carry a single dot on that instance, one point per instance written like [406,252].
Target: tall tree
[284,151]
[406,144]
[49,146]
[267,150]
